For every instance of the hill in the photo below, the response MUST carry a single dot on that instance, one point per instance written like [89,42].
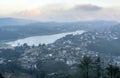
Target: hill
[14,21]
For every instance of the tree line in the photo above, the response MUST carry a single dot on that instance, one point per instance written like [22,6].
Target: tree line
[92,68]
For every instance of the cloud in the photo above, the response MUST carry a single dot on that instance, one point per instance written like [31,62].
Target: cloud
[87,7]
[73,13]
[30,13]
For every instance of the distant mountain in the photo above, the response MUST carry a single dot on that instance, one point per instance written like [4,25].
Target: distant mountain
[20,28]
[14,21]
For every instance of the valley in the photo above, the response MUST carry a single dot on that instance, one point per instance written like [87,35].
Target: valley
[58,50]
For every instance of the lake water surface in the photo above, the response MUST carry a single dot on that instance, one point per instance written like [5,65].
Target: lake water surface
[46,39]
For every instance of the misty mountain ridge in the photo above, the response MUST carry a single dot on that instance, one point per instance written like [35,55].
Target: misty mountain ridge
[14,28]
[14,21]
[9,21]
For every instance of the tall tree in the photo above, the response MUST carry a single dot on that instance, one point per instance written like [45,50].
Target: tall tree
[98,67]
[112,71]
[85,66]
[1,76]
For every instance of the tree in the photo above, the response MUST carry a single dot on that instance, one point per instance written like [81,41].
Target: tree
[98,67]
[41,74]
[1,76]
[85,66]
[25,46]
[112,71]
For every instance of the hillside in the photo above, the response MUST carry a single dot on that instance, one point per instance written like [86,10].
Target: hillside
[35,29]
[14,22]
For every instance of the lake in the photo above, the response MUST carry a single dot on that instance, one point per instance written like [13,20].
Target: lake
[46,39]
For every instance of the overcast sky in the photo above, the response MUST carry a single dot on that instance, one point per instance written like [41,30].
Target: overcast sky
[61,10]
